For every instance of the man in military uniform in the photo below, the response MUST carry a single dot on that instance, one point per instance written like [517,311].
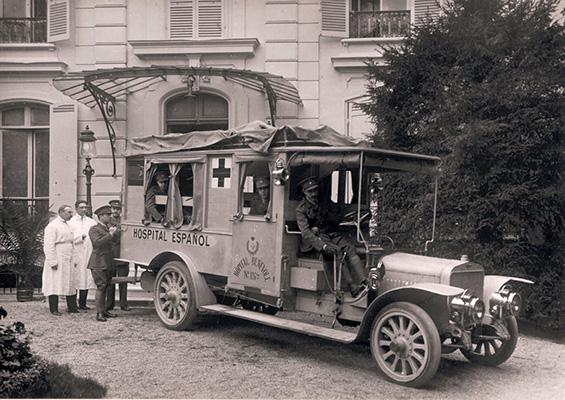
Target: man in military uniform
[120,268]
[152,211]
[315,224]
[101,260]
[260,199]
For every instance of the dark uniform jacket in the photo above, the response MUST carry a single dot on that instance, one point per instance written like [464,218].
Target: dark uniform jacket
[102,255]
[117,236]
[324,218]
[151,211]
[257,205]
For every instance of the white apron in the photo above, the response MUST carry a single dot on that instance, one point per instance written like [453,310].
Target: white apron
[83,250]
[59,250]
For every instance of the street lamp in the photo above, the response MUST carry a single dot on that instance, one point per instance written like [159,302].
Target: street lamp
[88,151]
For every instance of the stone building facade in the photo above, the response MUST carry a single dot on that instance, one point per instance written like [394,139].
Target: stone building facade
[146,60]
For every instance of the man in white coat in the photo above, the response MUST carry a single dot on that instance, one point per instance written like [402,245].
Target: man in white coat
[59,270]
[81,224]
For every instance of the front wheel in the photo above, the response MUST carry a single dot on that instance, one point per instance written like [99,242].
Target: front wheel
[174,297]
[490,349]
[405,343]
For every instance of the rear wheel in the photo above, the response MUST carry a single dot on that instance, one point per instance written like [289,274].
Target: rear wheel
[174,296]
[405,343]
[490,350]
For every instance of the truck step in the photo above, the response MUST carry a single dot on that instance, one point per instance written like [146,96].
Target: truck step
[277,322]
[124,279]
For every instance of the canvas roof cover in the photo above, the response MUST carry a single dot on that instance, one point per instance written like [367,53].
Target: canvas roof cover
[317,145]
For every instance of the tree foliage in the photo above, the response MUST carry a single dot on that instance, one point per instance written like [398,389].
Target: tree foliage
[483,87]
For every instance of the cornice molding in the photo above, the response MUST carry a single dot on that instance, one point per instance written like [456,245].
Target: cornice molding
[242,47]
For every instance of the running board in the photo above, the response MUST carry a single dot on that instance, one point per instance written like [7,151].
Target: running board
[271,320]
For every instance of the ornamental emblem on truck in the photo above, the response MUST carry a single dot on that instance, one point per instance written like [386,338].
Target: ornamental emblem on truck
[252,246]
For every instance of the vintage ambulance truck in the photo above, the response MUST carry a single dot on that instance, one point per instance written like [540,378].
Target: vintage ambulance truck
[210,254]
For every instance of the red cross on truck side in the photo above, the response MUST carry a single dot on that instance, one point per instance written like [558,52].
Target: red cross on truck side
[221,172]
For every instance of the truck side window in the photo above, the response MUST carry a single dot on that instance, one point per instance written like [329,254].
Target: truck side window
[173,195]
[156,196]
[255,189]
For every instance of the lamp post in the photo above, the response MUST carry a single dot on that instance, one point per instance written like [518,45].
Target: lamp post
[88,151]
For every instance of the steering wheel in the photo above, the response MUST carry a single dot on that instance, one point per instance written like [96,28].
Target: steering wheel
[352,216]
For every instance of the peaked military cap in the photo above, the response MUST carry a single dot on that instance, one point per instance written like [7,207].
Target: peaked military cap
[261,182]
[103,210]
[309,183]
[115,203]
[161,176]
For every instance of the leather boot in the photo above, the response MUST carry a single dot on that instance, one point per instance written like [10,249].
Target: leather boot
[100,317]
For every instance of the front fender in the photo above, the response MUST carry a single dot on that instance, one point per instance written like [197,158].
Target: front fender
[203,295]
[493,283]
[433,298]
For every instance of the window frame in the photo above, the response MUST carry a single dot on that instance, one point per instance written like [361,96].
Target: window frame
[199,119]
[176,23]
[32,132]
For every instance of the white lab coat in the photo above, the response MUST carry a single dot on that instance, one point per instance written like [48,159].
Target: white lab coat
[58,247]
[83,250]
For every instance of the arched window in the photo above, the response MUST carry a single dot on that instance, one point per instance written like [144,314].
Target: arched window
[200,112]
[24,155]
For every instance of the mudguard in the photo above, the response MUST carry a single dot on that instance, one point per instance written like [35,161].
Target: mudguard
[432,297]
[493,283]
[204,296]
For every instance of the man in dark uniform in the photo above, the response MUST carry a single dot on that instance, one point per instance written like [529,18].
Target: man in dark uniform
[120,268]
[260,199]
[101,260]
[315,223]
[152,213]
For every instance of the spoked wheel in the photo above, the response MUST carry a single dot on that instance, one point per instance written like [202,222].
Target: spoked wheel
[405,343]
[491,350]
[174,296]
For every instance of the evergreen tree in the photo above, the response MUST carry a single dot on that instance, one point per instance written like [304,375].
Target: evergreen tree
[483,87]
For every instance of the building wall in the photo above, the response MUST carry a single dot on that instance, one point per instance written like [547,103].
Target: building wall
[282,37]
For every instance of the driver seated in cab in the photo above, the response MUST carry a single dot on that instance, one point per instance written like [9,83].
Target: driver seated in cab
[316,222]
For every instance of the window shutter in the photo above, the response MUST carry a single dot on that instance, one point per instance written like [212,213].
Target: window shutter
[335,18]
[425,8]
[58,20]
[209,18]
[181,19]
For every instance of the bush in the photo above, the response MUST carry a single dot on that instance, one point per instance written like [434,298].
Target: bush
[23,375]
[19,369]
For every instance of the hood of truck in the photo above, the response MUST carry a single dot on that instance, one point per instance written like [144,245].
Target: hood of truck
[402,269]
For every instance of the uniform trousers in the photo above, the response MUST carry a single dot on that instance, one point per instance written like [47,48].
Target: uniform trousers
[355,269]
[102,279]
[121,270]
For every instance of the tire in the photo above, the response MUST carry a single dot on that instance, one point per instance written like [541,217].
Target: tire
[405,343]
[174,296]
[493,352]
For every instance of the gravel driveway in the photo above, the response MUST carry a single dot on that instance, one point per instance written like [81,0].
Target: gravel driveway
[133,356]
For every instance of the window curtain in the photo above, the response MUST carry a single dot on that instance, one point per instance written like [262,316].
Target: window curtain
[242,175]
[150,169]
[197,199]
[173,212]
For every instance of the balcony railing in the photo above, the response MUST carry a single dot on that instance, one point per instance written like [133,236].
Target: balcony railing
[381,24]
[23,30]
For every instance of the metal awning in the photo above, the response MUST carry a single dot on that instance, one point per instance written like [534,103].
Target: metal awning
[101,87]
[114,82]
